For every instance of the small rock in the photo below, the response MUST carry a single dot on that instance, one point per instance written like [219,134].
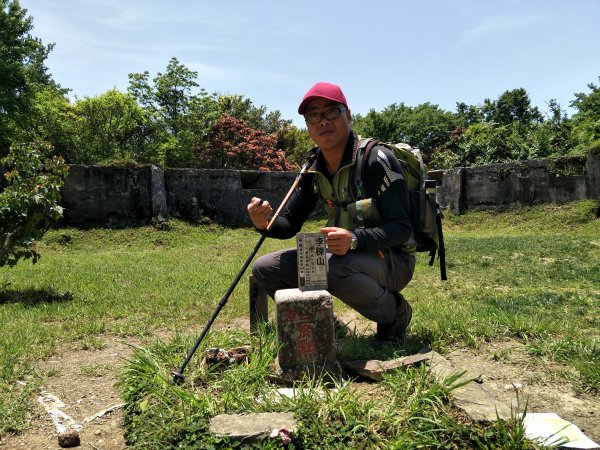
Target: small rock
[69,438]
[218,356]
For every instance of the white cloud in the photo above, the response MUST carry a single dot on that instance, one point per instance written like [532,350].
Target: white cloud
[499,25]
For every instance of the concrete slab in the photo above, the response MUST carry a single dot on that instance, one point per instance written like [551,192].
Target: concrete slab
[251,427]
[375,369]
[471,397]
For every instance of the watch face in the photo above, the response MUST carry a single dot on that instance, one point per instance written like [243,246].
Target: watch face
[353,244]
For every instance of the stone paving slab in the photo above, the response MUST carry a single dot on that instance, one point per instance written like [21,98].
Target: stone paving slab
[251,427]
[471,397]
[375,369]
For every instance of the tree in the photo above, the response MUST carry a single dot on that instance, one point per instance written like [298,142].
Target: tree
[169,97]
[232,144]
[243,109]
[558,128]
[22,70]
[511,106]
[425,126]
[29,202]
[53,119]
[295,142]
[468,114]
[182,120]
[168,101]
[111,126]
[586,121]
[506,129]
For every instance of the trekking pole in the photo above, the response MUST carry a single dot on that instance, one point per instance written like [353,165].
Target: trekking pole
[178,377]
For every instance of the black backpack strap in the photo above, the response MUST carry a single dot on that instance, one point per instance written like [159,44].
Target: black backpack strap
[422,186]
[311,156]
[441,246]
[362,157]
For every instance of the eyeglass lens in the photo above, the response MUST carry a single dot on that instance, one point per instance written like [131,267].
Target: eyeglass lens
[329,114]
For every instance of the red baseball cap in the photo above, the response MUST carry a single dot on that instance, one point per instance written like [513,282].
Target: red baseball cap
[323,90]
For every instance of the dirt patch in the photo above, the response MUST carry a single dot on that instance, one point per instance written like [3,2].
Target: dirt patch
[508,373]
[84,380]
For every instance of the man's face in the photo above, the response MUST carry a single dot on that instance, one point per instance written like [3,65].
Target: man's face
[328,134]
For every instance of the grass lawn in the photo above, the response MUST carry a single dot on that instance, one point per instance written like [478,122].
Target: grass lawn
[531,274]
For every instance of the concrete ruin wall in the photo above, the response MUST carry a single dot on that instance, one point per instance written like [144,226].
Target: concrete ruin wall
[112,196]
[222,195]
[522,183]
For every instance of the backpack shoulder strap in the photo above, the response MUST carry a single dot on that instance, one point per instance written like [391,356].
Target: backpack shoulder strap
[362,157]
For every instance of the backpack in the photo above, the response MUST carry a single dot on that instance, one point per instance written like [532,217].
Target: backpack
[426,215]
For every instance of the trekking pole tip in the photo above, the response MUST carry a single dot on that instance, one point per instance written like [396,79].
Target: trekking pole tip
[178,377]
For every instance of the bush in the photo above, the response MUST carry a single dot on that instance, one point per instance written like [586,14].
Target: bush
[232,144]
[29,203]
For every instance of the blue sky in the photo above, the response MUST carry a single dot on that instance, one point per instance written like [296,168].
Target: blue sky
[379,52]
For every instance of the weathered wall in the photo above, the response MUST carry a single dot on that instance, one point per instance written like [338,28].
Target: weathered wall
[107,195]
[521,183]
[129,195]
[222,194]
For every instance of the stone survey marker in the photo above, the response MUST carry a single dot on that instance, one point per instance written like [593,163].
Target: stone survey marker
[305,333]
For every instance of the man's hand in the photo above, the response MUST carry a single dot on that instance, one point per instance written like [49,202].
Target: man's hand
[259,212]
[338,240]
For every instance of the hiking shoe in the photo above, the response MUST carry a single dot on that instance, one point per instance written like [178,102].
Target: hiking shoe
[396,331]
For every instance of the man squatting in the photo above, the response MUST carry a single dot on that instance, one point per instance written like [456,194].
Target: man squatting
[368,265]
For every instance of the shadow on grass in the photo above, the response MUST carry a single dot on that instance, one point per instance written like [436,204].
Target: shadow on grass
[33,297]
[356,347]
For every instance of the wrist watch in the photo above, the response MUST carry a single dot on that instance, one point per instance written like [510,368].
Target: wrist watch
[353,242]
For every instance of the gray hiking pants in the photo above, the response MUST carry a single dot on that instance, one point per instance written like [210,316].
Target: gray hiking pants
[365,282]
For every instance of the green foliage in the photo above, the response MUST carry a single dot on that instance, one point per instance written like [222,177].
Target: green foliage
[468,114]
[511,106]
[558,128]
[587,105]
[182,123]
[14,398]
[295,142]
[488,143]
[501,130]
[586,122]
[168,101]
[425,126]
[22,70]
[55,120]
[29,203]
[479,143]
[111,126]
[445,158]
[506,129]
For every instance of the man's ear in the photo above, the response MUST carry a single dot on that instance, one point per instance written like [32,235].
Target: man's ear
[348,116]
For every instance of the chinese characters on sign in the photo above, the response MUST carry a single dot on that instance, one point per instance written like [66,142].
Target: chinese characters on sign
[312,262]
